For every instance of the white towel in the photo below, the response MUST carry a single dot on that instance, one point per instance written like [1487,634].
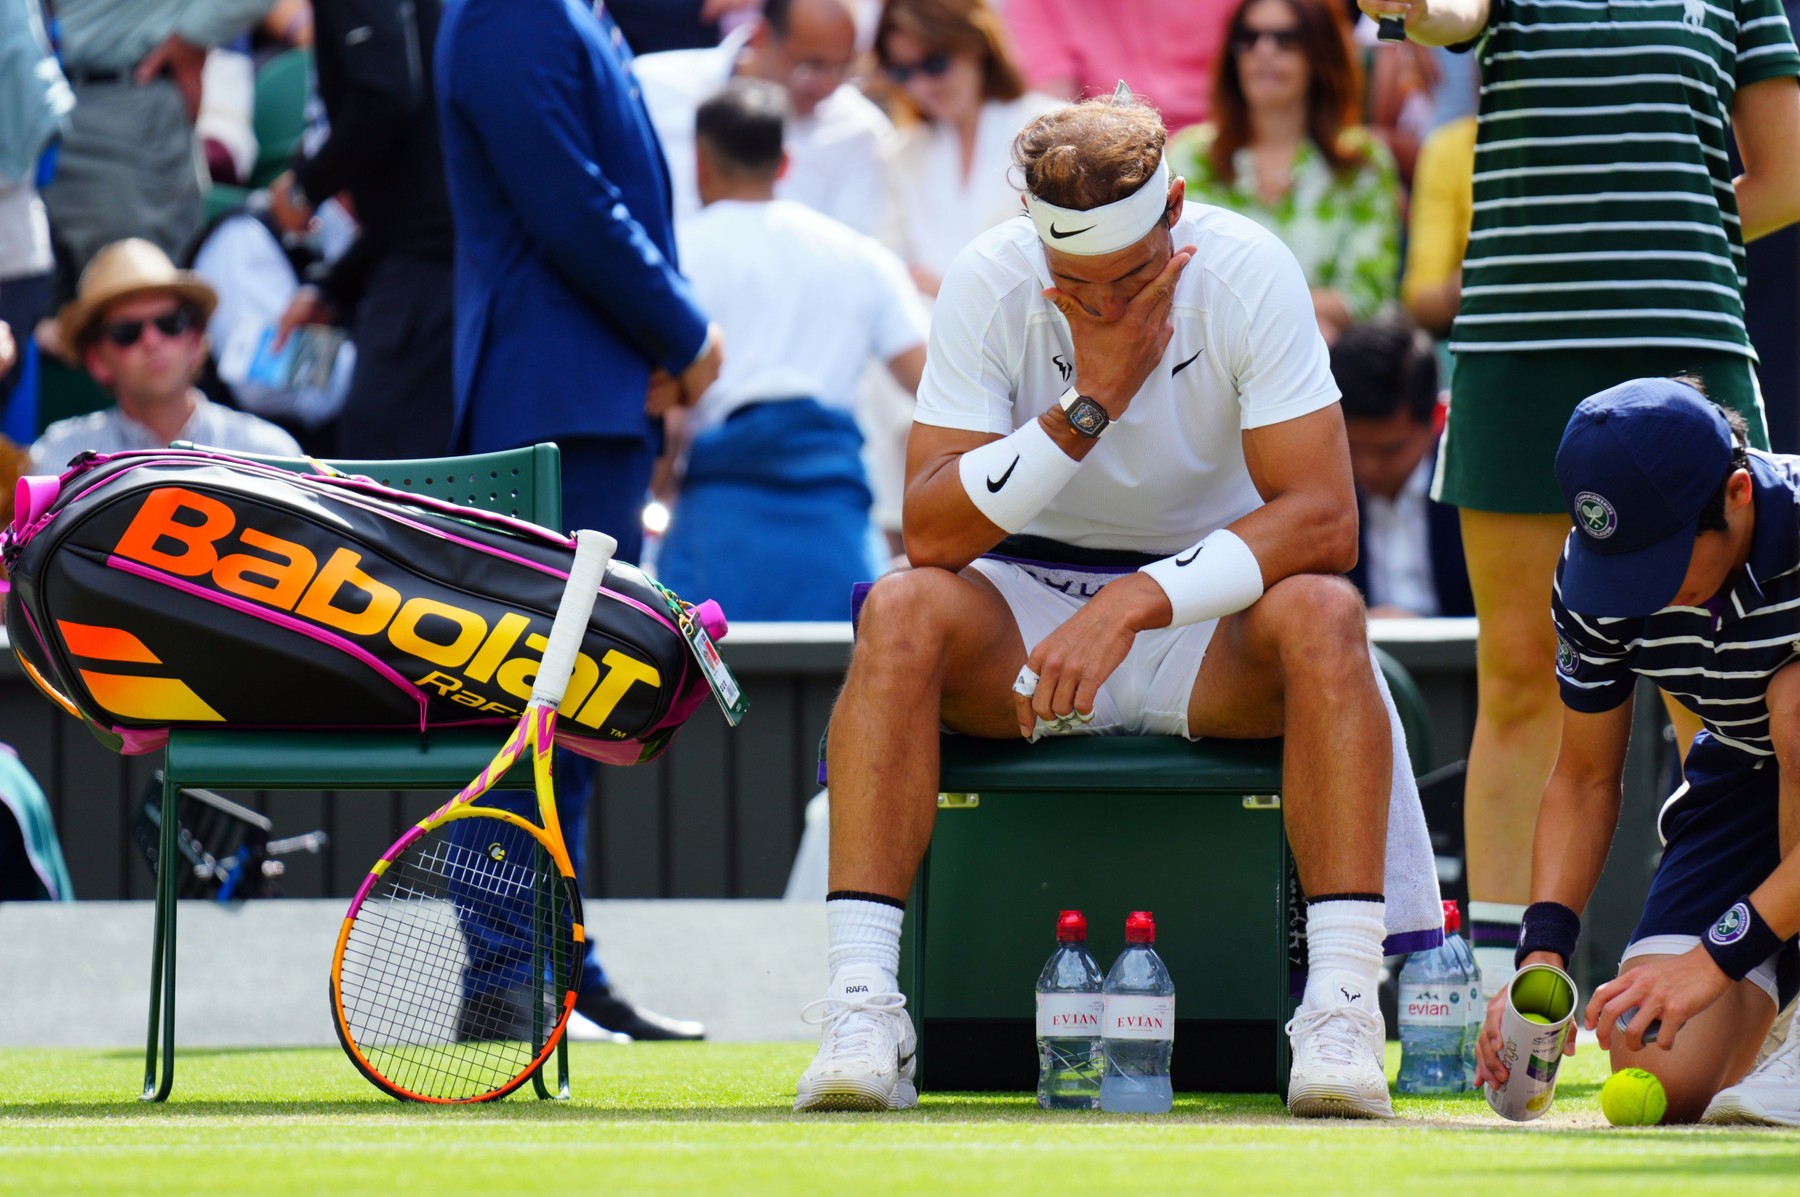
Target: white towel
[1415,910]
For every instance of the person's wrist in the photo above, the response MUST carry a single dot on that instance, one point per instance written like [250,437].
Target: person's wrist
[1137,602]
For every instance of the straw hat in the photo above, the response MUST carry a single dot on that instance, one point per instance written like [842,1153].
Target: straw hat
[129,269]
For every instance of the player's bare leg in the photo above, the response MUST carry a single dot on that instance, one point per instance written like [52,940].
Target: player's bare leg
[1518,718]
[932,647]
[1297,664]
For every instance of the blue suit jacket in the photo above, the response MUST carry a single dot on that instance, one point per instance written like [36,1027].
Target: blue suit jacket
[1449,572]
[566,288]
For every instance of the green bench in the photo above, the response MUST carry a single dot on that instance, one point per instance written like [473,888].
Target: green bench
[1108,825]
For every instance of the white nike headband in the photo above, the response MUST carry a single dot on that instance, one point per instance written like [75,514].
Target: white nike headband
[1105,229]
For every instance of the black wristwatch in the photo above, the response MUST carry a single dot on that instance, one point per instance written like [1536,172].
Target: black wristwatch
[1085,415]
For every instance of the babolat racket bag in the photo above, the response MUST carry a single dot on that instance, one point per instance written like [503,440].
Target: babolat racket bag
[172,588]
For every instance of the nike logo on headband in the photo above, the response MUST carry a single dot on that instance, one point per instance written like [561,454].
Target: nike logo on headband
[1189,559]
[995,487]
[1059,234]
[1184,365]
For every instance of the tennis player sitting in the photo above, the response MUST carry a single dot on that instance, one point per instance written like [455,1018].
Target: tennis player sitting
[1128,486]
[1683,565]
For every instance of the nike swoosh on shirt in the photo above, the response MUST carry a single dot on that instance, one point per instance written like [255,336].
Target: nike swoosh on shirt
[1184,365]
[1059,234]
[993,486]
[1189,559]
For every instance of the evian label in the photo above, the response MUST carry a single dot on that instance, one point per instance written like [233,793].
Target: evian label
[1136,1016]
[1069,1015]
[1433,1005]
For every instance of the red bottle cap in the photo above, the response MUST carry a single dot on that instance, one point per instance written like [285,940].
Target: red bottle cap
[1452,918]
[1140,927]
[1071,926]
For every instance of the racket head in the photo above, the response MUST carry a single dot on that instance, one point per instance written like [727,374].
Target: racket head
[442,896]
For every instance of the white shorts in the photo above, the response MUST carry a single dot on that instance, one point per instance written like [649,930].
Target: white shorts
[1148,693]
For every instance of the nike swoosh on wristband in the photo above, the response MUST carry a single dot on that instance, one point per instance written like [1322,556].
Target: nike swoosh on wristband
[993,486]
[1184,365]
[1189,559]
[1059,234]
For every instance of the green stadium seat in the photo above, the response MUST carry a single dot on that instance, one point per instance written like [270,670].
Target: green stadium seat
[526,483]
[1108,825]
[279,118]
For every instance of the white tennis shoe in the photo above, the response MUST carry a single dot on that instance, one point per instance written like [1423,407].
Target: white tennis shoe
[867,1048]
[1337,1045]
[1769,1096]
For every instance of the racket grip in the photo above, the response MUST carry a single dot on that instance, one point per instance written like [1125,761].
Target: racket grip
[1391,29]
[593,553]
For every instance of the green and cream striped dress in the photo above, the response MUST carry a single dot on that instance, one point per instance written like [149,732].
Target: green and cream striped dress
[1604,212]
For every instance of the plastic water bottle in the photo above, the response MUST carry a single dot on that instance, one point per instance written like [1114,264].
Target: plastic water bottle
[1139,1025]
[1475,1008]
[1069,1007]
[1433,1021]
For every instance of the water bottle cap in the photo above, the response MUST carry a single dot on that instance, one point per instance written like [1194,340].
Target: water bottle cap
[1140,927]
[1071,926]
[1452,918]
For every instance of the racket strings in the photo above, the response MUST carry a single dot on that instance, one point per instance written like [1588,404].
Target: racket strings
[457,962]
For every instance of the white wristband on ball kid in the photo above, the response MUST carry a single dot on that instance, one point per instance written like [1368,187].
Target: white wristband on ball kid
[1214,578]
[1012,479]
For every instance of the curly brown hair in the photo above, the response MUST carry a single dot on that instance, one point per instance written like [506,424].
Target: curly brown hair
[1334,86]
[1091,153]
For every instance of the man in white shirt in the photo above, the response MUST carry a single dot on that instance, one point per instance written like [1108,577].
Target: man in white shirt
[1409,560]
[773,518]
[139,325]
[836,137]
[1128,489]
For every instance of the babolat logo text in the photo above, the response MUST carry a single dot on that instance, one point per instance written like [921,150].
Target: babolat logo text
[193,536]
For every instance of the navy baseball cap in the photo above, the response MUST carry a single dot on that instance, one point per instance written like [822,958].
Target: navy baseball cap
[1637,464]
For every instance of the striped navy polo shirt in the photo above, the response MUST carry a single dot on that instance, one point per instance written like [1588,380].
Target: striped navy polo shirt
[1718,663]
[1604,211]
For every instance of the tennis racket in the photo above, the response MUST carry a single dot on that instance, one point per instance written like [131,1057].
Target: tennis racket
[458,961]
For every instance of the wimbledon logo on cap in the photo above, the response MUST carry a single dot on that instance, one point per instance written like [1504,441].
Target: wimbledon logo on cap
[1732,926]
[1598,519]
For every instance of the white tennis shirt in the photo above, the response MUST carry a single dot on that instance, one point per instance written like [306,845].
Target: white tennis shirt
[1246,353]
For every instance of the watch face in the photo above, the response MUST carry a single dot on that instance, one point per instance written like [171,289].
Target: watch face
[1087,417]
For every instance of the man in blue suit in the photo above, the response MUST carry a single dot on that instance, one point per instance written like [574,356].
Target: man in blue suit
[1410,558]
[572,322]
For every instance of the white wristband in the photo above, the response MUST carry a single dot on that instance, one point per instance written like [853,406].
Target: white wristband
[1012,479]
[1214,578]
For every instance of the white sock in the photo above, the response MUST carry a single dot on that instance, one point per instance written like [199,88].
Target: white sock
[864,933]
[1494,934]
[1343,950]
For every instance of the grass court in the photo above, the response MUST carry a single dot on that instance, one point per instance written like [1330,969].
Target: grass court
[651,1119]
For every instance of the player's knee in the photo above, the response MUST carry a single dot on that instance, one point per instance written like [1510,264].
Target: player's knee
[907,613]
[1318,622]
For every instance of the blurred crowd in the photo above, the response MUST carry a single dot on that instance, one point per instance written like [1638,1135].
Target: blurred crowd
[228,221]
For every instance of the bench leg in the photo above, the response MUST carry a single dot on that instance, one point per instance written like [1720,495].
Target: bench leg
[162,954]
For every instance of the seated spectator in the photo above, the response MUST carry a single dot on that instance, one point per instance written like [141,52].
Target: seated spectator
[1410,560]
[773,518]
[1283,148]
[963,101]
[1074,49]
[1443,205]
[139,325]
[835,136]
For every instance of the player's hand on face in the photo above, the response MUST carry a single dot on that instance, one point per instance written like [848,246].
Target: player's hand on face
[1113,357]
[1670,990]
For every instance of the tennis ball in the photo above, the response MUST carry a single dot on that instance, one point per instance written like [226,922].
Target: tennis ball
[1537,1018]
[1633,1097]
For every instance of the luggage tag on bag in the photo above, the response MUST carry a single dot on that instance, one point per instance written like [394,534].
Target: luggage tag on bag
[712,666]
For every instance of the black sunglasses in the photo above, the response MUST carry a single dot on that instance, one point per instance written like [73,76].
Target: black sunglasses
[125,333]
[933,65]
[1245,40]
